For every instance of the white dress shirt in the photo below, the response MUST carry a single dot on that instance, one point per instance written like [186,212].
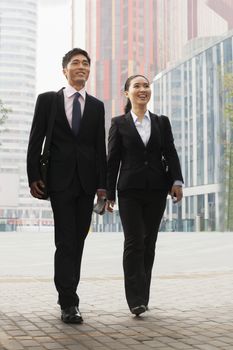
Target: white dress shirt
[143,127]
[69,93]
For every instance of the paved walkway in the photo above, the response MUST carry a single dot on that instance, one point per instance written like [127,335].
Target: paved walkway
[191,303]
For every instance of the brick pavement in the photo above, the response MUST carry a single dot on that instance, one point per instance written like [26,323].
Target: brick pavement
[191,305]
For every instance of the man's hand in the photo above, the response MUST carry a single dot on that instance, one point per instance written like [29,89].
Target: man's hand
[176,193]
[37,189]
[101,194]
[110,205]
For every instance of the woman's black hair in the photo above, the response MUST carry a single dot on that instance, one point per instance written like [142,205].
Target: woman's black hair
[128,105]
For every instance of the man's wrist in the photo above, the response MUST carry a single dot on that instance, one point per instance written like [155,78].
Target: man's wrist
[101,192]
[178,183]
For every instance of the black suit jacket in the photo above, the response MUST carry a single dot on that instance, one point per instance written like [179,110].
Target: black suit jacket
[139,166]
[84,154]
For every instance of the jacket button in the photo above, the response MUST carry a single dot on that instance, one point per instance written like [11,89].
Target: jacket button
[146,163]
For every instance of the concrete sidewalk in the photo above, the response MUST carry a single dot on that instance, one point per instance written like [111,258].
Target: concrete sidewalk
[191,303]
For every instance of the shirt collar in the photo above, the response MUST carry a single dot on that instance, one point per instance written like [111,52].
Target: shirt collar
[135,117]
[70,91]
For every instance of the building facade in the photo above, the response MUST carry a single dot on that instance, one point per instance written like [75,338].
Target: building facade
[120,40]
[180,23]
[18,32]
[192,95]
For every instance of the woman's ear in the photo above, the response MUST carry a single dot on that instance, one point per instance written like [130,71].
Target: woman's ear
[126,93]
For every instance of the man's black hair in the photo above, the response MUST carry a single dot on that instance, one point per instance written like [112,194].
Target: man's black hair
[76,51]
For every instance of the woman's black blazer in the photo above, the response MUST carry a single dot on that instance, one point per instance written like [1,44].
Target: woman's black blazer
[131,164]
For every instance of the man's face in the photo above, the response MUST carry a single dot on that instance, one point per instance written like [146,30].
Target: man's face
[77,70]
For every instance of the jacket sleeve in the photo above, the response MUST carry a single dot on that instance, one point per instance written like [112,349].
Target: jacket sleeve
[36,138]
[101,151]
[170,152]
[114,159]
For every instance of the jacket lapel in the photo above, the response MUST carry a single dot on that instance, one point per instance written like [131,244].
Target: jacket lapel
[61,109]
[86,111]
[155,136]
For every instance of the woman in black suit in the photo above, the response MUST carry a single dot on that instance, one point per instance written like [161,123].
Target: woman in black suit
[136,143]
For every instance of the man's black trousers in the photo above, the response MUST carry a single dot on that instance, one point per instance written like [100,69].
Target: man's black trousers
[72,210]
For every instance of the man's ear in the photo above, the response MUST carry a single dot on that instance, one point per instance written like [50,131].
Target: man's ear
[65,72]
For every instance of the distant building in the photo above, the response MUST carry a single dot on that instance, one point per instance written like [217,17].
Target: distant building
[191,95]
[120,38]
[180,23]
[125,37]
[18,32]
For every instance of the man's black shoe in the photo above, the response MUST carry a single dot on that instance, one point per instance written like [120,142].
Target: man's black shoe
[71,314]
[137,310]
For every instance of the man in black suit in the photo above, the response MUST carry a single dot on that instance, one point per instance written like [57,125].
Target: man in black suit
[77,171]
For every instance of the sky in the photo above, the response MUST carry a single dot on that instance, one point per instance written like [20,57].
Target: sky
[54,40]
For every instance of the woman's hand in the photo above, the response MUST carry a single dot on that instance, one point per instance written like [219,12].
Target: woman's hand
[110,205]
[176,193]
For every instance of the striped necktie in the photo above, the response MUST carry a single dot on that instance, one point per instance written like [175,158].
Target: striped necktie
[76,114]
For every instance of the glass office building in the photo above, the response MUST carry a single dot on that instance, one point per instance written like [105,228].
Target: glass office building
[191,95]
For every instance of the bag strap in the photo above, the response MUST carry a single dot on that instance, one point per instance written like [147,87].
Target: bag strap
[51,121]
[163,156]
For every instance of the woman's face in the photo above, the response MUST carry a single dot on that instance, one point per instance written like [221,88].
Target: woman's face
[139,91]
